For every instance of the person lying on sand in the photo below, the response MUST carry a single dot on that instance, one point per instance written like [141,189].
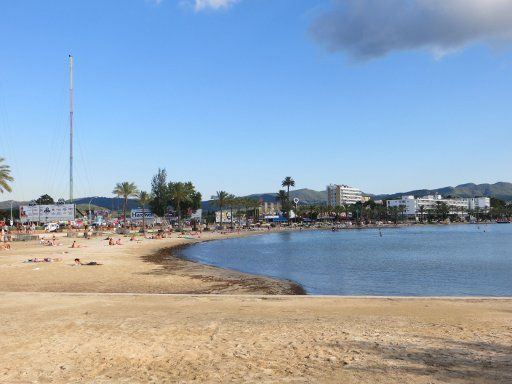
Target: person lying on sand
[76,245]
[45,260]
[118,242]
[5,246]
[50,243]
[78,262]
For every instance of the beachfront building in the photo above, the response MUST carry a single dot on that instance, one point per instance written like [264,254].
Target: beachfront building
[339,194]
[270,208]
[415,207]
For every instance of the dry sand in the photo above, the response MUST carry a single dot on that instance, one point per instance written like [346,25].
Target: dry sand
[136,267]
[102,338]
[54,337]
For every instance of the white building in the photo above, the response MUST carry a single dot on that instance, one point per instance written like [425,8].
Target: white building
[343,195]
[458,206]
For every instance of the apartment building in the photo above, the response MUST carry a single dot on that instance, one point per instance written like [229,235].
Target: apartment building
[414,206]
[339,194]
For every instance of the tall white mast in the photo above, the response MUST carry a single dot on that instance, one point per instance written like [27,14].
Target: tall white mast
[71,128]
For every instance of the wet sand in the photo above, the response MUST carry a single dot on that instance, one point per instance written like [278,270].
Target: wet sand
[65,324]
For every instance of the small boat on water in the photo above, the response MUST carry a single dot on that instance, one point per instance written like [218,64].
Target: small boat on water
[502,221]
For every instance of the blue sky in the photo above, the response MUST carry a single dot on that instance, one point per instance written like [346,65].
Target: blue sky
[237,97]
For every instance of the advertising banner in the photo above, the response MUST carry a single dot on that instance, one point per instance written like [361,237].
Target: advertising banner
[47,213]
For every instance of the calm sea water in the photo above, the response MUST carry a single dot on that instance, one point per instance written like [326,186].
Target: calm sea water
[455,260]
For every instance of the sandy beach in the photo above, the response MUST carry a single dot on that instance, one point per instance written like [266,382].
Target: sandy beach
[120,322]
[136,267]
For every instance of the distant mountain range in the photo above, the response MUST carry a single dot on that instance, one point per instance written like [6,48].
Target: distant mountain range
[501,190]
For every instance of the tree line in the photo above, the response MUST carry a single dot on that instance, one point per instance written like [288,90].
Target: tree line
[179,196]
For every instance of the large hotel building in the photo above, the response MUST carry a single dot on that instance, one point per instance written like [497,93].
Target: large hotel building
[343,195]
[414,207]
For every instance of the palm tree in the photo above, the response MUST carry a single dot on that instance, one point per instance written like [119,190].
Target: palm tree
[282,197]
[143,198]
[422,212]
[402,209]
[255,205]
[180,193]
[462,211]
[338,210]
[125,189]
[287,183]
[220,201]
[5,177]
[393,212]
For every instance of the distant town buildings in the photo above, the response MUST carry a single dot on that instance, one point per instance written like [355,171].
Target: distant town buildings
[270,208]
[343,195]
[415,207]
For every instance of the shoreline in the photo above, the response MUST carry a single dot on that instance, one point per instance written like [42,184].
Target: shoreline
[253,284]
[468,299]
[146,266]
[149,266]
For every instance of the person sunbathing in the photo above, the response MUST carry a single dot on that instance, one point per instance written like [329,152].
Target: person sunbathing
[79,262]
[118,242]
[111,241]
[5,246]
[75,245]
[45,260]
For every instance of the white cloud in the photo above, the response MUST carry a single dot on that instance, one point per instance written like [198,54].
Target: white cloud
[367,29]
[201,5]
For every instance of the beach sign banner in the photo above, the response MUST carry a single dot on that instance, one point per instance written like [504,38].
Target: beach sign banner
[47,213]
[136,214]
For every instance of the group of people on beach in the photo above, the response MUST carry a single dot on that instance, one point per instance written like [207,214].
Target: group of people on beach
[5,239]
[112,242]
[49,242]
[43,260]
